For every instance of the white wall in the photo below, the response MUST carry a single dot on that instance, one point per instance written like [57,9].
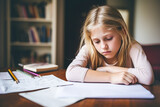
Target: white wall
[147,21]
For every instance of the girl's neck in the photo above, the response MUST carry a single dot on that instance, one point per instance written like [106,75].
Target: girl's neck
[112,61]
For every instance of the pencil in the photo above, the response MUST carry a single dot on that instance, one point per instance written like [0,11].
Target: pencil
[31,72]
[13,76]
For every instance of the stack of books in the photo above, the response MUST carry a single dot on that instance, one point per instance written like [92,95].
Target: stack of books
[39,67]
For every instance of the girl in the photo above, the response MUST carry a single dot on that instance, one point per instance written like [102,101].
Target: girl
[108,53]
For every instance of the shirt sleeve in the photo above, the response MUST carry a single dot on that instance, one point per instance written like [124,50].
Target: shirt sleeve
[142,68]
[77,69]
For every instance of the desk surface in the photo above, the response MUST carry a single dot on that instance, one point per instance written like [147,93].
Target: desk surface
[15,100]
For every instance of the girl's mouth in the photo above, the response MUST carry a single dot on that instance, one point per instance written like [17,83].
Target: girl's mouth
[106,52]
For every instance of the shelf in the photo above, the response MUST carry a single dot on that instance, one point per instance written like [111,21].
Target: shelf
[26,44]
[18,25]
[31,20]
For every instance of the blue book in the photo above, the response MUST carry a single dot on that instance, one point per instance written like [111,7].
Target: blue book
[43,36]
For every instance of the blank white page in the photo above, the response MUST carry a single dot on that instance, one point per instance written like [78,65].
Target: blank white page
[104,90]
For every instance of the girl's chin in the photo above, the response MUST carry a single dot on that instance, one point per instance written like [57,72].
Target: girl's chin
[108,57]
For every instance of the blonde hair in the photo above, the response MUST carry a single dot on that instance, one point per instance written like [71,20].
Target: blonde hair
[111,19]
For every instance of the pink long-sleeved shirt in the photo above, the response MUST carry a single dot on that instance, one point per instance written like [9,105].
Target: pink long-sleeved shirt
[138,65]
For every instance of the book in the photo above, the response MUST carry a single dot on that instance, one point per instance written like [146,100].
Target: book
[35,34]
[48,11]
[40,67]
[32,10]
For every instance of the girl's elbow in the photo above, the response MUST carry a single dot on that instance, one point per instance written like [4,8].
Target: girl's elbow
[68,76]
[71,76]
[149,81]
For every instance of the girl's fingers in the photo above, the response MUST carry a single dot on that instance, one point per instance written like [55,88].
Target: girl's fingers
[132,78]
[135,80]
[128,79]
[123,78]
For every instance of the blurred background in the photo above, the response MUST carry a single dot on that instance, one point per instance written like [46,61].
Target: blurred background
[62,29]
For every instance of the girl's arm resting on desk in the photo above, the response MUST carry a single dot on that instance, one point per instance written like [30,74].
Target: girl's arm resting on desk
[87,75]
[77,70]
[143,75]
[96,76]
[116,78]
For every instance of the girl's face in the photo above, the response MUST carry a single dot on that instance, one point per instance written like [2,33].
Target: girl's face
[106,42]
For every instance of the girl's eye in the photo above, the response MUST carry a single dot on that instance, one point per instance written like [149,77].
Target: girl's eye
[109,38]
[96,42]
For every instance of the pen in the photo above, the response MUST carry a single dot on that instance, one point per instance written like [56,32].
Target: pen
[26,73]
[64,85]
[31,72]
[13,76]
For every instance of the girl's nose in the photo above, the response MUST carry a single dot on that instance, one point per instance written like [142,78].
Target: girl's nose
[104,45]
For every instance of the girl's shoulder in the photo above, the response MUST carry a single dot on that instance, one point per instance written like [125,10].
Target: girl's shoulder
[136,47]
[83,50]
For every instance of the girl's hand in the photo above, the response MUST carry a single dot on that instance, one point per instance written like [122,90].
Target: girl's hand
[123,78]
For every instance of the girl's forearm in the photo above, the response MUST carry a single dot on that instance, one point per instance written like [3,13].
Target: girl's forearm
[112,69]
[96,76]
[117,77]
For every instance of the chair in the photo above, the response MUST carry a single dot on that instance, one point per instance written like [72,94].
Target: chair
[153,55]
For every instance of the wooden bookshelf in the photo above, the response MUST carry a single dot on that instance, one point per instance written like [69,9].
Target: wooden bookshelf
[24,44]
[17,23]
[31,20]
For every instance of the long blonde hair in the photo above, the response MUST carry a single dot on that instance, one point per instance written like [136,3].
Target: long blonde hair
[112,19]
